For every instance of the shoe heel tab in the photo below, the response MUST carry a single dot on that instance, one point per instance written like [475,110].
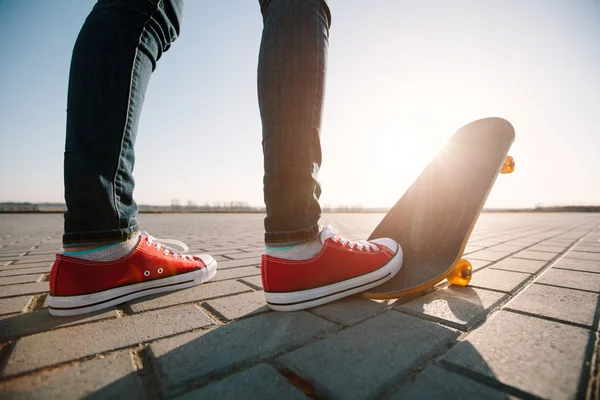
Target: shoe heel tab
[54,273]
[263,271]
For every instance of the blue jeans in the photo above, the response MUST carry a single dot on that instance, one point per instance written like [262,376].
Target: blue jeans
[114,55]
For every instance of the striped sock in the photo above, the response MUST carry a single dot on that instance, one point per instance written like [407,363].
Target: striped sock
[110,252]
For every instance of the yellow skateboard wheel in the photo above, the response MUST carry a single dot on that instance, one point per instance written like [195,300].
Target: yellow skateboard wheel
[509,165]
[461,274]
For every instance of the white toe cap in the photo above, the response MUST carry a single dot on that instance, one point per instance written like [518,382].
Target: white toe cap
[387,242]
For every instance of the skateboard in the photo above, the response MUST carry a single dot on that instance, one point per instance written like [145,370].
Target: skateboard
[434,219]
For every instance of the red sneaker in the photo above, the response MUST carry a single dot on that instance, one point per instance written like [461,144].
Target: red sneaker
[340,269]
[78,286]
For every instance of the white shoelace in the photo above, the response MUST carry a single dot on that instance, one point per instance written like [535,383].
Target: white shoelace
[330,232]
[160,243]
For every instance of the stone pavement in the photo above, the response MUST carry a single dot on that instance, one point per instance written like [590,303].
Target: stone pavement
[526,327]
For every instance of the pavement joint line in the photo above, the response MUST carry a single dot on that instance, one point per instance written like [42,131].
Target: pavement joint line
[551,319]
[35,303]
[256,288]
[566,287]
[305,386]
[574,270]
[213,316]
[544,270]
[79,360]
[486,380]
[2,285]
[142,360]
[594,374]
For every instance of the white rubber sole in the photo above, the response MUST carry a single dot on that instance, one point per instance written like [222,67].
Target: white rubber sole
[75,305]
[303,299]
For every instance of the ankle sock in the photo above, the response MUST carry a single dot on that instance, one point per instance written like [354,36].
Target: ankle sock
[110,252]
[301,251]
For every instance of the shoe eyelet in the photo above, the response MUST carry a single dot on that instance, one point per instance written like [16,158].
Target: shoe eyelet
[166,252]
[157,248]
[148,243]
[160,271]
[146,273]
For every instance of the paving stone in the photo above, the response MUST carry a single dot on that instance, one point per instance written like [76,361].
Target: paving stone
[521,265]
[580,255]
[111,376]
[507,247]
[504,281]
[34,259]
[62,345]
[459,307]
[254,255]
[209,290]
[233,273]
[234,307]
[488,255]
[11,280]
[13,305]
[560,303]
[40,321]
[571,279]
[548,248]
[27,266]
[578,265]
[435,383]
[541,357]
[536,255]
[472,248]
[259,382]
[199,356]
[365,359]
[237,263]
[254,282]
[587,248]
[478,264]
[350,310]
[24,288]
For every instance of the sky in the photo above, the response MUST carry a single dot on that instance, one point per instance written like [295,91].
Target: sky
[402,77]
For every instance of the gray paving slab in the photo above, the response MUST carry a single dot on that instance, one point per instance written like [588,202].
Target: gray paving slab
[496,279]
[73,343]
[111,376]
[13,305]
[209,290]
[11,280]
[507,247]
[193,359]
[254,282]
[488,255]
[459,307]
[350,310]
[478,264]
[259,382]
[581,255]
[234,307]
[588,248]
[546,248]
[521,265]
[536,255]
[234,273]
[435,383]
[564,304]
[578,265]
[571,279]
[15,326]
[534,355]
[369,357]
[23,289]
[244,262]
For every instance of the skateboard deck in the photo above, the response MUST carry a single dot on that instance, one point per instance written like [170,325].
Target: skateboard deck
[433,220]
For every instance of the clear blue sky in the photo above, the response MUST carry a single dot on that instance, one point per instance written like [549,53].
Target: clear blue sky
[402,77]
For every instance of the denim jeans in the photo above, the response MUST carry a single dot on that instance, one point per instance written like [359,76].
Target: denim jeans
[114,56]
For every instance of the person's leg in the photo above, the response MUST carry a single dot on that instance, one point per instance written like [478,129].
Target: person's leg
[108,261]
[113,58]
[304,266]
[291,80]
